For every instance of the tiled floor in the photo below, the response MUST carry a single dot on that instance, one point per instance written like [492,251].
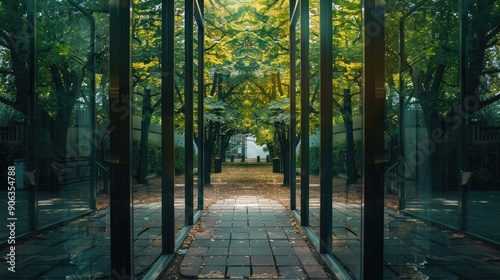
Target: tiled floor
[249,237]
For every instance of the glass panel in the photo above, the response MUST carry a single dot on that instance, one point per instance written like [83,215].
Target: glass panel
[298,112]
[195,119]
[63,144]
[483,154]
[14,150]
[347,135]
[62,188]
[179,156]
[428,84]
[314,104]
[431,137]
[146,137]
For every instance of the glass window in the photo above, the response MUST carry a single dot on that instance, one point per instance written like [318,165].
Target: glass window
[146,137]
[441,135]
[56,182]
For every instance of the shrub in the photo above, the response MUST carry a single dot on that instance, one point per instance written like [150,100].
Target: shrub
[314,160]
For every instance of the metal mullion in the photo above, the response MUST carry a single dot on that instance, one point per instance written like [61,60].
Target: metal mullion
[326,127]
[188,111]
[463,153]
[373,140]
[304,112]
[201,103]
[198,13]
[294,11]
[32,118]
[120,137]
[293,108]
[167,126]
[91,67]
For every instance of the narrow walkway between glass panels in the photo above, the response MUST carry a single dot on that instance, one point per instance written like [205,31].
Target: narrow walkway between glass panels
[249,237]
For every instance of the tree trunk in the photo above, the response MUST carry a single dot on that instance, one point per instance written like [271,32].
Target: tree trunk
[286,166]
[350,153]
[284,148]
[207,162]
[349,132]
[143,150]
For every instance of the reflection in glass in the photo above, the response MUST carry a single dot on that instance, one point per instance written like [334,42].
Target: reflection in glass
[347,136]
[146,139]
[63,135]
[60,186]
[180,119]
[442,134]
[298,117]
[314,127]
[431,162]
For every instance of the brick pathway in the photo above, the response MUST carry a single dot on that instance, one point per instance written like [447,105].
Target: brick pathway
[249,237]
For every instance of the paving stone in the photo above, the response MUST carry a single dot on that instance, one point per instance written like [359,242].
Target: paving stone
[240,243]
[204,235]
[238,272]
[283,250]
[240,235]
[191,261]
[239,230]
[240,223]
[287,260]
[189,271]
[259,243]
[200,243]
[277,235]
[292,272]
[315,271]
[215,261]
[197,251]
[239,251]
[212,271]
[302,250]
[240,217]
[221,235]
[225,224]
[280,242]
[307,260]
[219,243]
[297,242]
[263,260]
[264,272]
[217,251]
[238,261]
[258,235]
[468,272]
[434,272]
[259,251]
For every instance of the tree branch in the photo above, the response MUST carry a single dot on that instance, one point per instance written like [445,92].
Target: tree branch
[490,100]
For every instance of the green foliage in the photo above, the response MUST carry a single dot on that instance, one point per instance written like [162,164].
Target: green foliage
[314,160]
[180,160]
[154,157]
[10,150]
[9,116]
[339,154]
[484,159]
[153,153]
[488,115]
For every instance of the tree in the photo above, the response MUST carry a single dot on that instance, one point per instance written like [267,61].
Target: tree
[15,33]
[428,78]
[146,72]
